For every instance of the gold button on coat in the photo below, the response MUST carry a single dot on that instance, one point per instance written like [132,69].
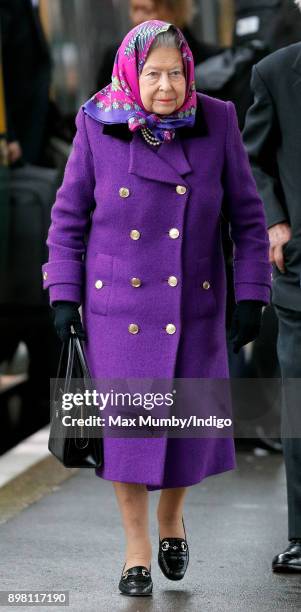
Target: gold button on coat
[99,284]
[45,275]
[124,192]
[170,328]
[133,328]
[181,189]
[174,232]
[135,234]
[206,285]
[135,282]
[172,281]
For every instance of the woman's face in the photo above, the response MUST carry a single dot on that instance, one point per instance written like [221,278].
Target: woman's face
[162,81]
[143,10]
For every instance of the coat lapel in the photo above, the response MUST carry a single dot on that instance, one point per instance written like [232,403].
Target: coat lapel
[158,165]
[166,164]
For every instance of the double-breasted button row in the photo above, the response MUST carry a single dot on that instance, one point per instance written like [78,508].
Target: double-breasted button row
[135,234]
[137,282]
[173,233]
[133,328]
[172,281]
[124,192]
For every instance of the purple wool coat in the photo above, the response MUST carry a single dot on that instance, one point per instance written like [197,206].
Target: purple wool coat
[179,186]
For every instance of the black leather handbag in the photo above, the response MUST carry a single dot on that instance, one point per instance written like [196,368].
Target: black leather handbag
[73,446]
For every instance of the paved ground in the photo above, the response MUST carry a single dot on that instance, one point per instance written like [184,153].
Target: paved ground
[71,539]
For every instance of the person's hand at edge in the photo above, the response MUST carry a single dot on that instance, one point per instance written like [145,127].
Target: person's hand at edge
[279,235]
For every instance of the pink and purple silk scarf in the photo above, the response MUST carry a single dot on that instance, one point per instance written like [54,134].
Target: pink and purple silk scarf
[120,101]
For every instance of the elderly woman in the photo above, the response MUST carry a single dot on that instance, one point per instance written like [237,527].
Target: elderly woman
[155,161]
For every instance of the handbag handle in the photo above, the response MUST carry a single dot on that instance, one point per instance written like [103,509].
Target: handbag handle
[70,362]
[77,344]
[69,344]
[82,440]
[74,347]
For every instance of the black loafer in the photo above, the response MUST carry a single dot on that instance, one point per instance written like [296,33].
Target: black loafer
[290,559]
[173,556]
[136,581]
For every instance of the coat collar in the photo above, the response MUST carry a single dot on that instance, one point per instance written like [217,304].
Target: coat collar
[121,130]
[166,164]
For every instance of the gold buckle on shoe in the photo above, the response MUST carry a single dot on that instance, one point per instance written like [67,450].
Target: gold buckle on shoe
[144,572]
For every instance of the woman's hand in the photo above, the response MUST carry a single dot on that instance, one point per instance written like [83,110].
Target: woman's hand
[65,315]
[246,323]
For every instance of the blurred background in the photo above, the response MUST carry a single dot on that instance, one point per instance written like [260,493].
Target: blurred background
[81,31]
[54,55]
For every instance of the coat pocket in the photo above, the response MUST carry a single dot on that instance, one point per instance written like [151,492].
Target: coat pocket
[101,279]
[206,292]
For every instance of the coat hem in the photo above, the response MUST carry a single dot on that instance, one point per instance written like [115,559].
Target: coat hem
[153,487]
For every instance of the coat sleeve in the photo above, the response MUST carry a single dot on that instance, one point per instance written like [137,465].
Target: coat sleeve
[63,274]
[247,223]
[261,136]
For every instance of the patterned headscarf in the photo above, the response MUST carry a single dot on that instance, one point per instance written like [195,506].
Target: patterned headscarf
[120,101]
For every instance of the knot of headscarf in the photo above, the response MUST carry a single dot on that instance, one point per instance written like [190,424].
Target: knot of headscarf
[120,101]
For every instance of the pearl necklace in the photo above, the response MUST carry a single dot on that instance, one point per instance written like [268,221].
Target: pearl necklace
[149,137]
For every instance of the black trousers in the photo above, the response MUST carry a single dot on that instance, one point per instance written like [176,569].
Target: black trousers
[289,356]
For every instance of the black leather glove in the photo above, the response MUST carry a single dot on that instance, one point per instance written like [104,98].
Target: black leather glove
[246,323]
[65,315]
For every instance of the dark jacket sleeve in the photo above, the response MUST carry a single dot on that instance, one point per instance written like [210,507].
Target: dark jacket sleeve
[245,213]
[261,136]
